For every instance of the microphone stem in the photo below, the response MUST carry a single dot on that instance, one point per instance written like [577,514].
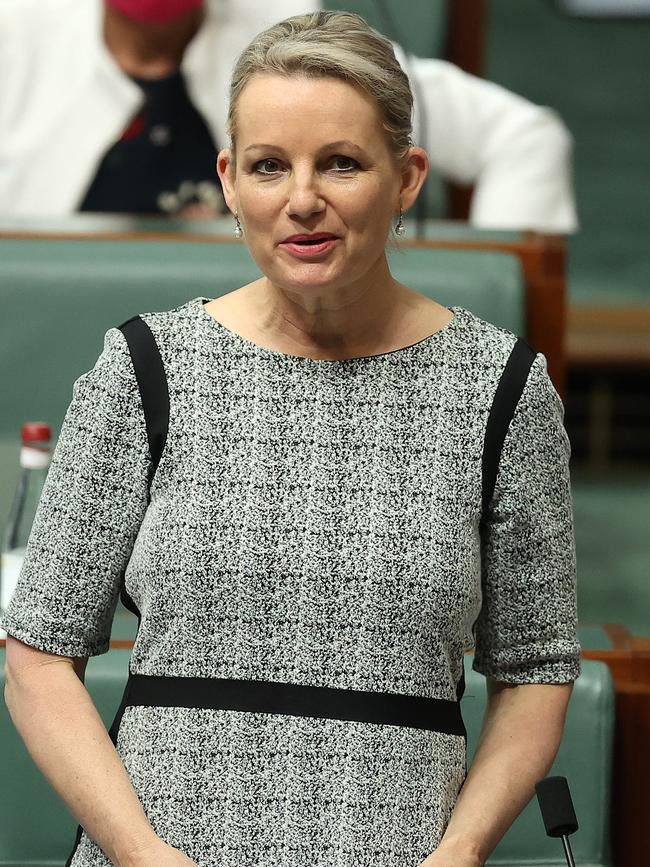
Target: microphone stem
[567,851]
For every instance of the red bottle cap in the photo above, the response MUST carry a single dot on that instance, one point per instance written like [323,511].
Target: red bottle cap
[36,431]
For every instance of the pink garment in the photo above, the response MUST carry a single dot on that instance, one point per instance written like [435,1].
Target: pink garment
[154,11]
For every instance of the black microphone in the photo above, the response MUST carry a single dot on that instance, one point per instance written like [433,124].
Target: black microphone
[556,806]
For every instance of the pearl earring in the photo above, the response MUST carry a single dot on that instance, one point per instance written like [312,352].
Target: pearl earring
[238,229]
[400,229]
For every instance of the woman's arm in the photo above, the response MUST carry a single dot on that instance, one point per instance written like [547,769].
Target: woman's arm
[65,736]
[520,736]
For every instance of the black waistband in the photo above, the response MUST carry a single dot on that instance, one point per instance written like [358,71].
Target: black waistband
[263,696]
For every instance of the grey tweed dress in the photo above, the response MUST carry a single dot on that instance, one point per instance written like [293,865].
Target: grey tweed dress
[312,522]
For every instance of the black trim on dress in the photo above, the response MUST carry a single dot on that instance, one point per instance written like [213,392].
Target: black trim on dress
[321,702]
[504,403]
[152,383]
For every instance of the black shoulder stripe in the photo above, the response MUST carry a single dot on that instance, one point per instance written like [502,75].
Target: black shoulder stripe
[152,382]
[506,397]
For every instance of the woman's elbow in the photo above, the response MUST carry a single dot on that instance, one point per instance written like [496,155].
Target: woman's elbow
[533,702]
[25,665]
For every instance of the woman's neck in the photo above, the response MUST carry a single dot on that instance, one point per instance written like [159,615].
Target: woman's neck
[145,50]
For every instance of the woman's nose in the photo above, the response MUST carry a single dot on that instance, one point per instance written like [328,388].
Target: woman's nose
[304,195]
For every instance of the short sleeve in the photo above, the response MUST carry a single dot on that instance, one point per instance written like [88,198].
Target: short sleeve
[87,519]
[526,631]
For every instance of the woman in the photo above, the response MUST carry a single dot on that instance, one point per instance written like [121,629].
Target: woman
[313,526]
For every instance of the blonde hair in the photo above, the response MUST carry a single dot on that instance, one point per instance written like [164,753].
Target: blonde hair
[331,44]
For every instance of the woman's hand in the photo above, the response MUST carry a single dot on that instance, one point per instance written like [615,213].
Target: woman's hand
[449,859]
[157,853]
[454,853]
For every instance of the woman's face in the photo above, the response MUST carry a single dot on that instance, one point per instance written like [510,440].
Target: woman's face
[312,157]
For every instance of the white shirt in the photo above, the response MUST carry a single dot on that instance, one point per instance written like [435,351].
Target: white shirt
[64,101]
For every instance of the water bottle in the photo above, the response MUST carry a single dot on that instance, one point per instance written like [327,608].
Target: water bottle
[35,457]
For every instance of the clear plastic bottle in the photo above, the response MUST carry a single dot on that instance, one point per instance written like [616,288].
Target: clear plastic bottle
[35,457]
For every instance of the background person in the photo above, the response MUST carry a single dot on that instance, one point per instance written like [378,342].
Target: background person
[314,521]
[121,106]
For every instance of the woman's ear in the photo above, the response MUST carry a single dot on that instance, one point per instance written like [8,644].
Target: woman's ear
[226,171]
[413,175]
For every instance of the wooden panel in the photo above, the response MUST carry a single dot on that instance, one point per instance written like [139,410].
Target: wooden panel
[600,334]
[466,49]
[619,635]
[466,35]
[458,201]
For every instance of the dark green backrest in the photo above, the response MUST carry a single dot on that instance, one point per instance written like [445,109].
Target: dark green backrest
[59,297]
[423,31]
[36,826]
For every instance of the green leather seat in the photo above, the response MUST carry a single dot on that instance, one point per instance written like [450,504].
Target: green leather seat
[59,297]
[37,829]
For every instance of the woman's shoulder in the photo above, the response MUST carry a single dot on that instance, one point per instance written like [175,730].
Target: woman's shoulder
[172,328]
[172,317]
[482,340]
[495,343]
[483,349]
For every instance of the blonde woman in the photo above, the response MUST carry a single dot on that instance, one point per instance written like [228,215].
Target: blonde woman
[311,565]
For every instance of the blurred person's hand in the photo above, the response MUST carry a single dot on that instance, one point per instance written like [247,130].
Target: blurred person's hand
[194,201]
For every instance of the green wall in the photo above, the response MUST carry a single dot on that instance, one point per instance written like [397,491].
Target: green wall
[595,73]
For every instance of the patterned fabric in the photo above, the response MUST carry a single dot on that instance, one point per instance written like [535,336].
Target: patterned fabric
[311,522]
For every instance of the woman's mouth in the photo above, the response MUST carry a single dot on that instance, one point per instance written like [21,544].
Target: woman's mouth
[304,247]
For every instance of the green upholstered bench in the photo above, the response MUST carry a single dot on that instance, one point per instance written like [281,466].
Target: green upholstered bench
[36,828]
[59,296]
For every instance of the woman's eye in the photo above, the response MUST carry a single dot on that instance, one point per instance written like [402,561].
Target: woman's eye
[262,167]
[349,160]
[265,164]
